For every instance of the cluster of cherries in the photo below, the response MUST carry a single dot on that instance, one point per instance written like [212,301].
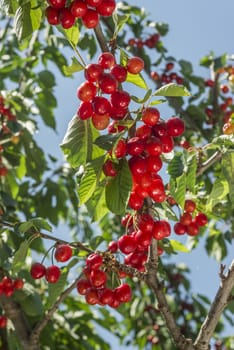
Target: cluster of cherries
[190,222]
[150,42]
[167,76]
[8,285]
[88,10]
[94,284]
[63,252]
[105,77]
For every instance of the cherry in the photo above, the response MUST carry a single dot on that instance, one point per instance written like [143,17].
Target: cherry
[150,116]
[83,285]
[91,296]
[18,283]
[90,18]
[144,131]
[58,4]
[123,293]
[52,15]
[118,113]
[94,261]
[100,122]
[127,244]
[3,170]
[189,206]
[154,146]
[109,168]
[175,126]
[66,18]
[78,8]
[160,129]
[3,321]
[119,72]
[154,163]
[169,66]
[143,238]
[63,252]
[137,166]
[86,91]
[98,278]
[106,8]
[120,149]
[186,219]
[37,271]
[193,229]
[106,296]
[85,110]
[161,229]
[167,143]
[179,228]
[107,83]
[135,65]
[120,99]
[127,220]
[52,274]
[146,223]
[94,3]
[201,219]
[93,72]
[113,246]
[106,60]
[101,105]
[135,146]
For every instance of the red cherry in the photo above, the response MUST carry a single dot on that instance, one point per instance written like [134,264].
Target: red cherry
[63,252]
[161,229]
[113,246]
[135,146]
[101,105]
[127,244]
[167,143]
[107,83]
[106,60]
[7,282]
[144,131]
[100,122]
[169,66]
[146,223]
[58,4]
[3,321]
[120,149]
[153,147]
[106,296]
[98,278]
[150,116]
[85,110]
[160,129]
[127,220]
[189,206]
[175,127]
[123,293]
[78,8]
[52,15]
[93,72]
[86,91]
[94,261]
[135,201]
[135,65]
[143,238]
[52,274]
[37,271]
[109,168]
[186,219]
[137,166]
[94,3]
[201,219]
[3,170]
[106,8]
[119,72]
[120,99]
[179,228]
[18,283]
[91,296]
[90,18]
[118,113]
[83,285]
[154,163]
[66,18]
[193,229]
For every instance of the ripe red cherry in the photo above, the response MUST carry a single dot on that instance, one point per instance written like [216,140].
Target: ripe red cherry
[143,238]
[119,72]
[118,113]
[169,66]
[3,321]
[120,149]
[113,246]
[154,164]
[201,219]
[107,83]
[100,122]
[153,147]
[135,146]
[83,285]
[94,261]
[94,3]
[91,296]
[146,223]
[52,15]
[180,229]
[3,170]
[144,131]
[86,91]
[85,110]
[63,252]
[18,283]
[37,271]
[189,206]
[137,166]
[150,116]
[93,72]
[193,229]
[186,219]
[135,201]
[106,296]
[66,18]
[101,105]
[175,126]
[123,293]
[160,129]
[135,65]
[58,4]
[106,60]
[106,8]
[109,168]
[98,278]
[167,143]
[78,8]
[90,18]
[120,99]
[127,244]
[52,274]
[161,229]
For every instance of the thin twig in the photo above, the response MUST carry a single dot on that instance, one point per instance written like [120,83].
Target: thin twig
[207,164]
[100,38]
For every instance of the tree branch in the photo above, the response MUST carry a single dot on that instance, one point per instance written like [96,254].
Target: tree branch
[100,38]
[213,159]
[220,302]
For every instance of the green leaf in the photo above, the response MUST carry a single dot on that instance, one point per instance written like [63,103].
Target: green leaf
[41,224]
[178,246]
[20,256]
[157,102]
[219,191]
[90,179]
[108,141]
[118,189]
[25,226]
[55,289]
[137,79]
[172,90]
[32,305]
[178,189]
[176,165]
[96,205]
[47,79]
[22,22]
[191,173]
[144,99]
[75,66]
[186,67]
[77,142]
[162,28]
[119,21]
[72,34]
[228,172]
